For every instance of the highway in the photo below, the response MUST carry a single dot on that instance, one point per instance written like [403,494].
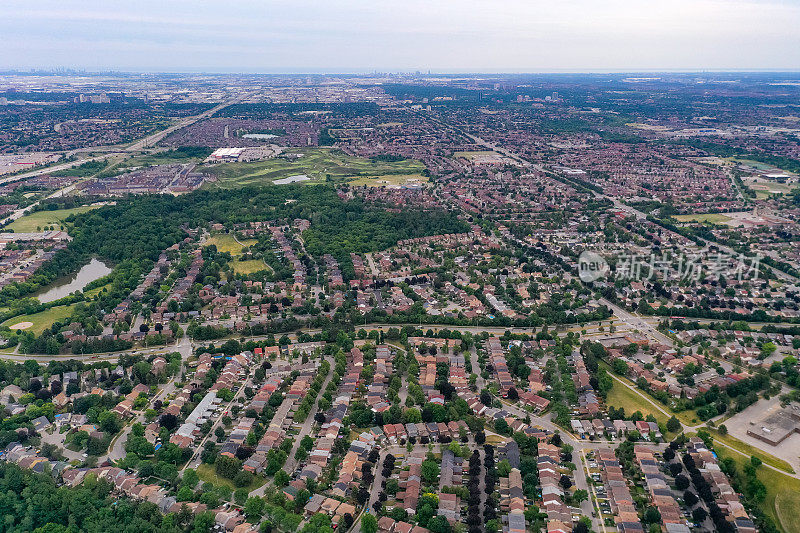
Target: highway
[150,140]
[137,146]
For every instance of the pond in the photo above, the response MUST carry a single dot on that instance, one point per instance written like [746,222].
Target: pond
[94,269]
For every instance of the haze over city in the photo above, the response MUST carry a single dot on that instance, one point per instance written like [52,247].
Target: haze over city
[408,35]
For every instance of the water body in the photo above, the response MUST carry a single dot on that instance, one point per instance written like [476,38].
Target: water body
[259,136]
[89,272]
[291,179]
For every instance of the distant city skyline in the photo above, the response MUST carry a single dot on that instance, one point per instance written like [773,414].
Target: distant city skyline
[359,36]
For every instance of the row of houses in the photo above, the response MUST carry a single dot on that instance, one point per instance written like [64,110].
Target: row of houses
[124,483]
[724,494]
[512,501]
[619,495]
[559,516]
[661,496]
[599,428]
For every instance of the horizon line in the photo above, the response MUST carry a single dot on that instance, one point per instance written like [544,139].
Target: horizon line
[373,72]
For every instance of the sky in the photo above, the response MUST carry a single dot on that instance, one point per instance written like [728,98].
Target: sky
[341,36]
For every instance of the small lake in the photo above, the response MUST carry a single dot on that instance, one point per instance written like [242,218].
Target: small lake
[94,269]
[259,136]
[291,179]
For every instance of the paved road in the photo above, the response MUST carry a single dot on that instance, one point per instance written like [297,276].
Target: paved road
[308,423]
[578,447]
[194,461]
[117,450]
[54,168]
[291,462]
[593,497]
[150,140]
[637,322]
[182,345]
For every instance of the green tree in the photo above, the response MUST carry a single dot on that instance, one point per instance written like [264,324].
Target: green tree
[673,424]
[281,478]
[227,467]
[430,471]
[369,524]
[253,508]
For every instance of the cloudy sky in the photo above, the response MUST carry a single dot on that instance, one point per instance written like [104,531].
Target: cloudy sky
[395,35]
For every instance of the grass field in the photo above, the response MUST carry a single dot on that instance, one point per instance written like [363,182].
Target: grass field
[713,218]
[782,503]
[207,474]
[248,266]
[225,242]
[42,320]
[390,180]
[749,162]
[632,401]
[316,163]
[688,417]
[94,292]
[40,219]
[749,450]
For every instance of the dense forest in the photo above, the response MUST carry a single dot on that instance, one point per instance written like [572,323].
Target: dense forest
[33,502]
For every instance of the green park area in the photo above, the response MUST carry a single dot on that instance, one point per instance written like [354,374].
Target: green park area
[317,164]
[40,321]
[226,242]
[711,218]
[632,401]
[207,474]
[391,180]
[40,220]
[782,502]
[248,266]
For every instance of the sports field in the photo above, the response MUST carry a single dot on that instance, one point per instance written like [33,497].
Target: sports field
[713,218]
[318,164]
[226,242]
[38,322]
[39,220]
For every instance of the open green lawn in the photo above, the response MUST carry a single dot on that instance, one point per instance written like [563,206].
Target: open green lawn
[226,242]
[713,218]
[40,321]
[37,221]
[782,503]
[632,401]
[249,266]
[94,292]
[207,474]
[316,163]
[389,179]
[688,417]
